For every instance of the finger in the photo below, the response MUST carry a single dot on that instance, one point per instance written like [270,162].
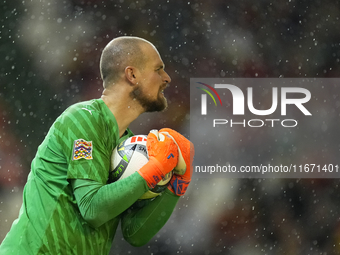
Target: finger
[181,165]
[155,133]
[152,138]
[161,137]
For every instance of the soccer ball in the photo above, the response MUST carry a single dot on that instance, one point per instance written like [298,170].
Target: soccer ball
[129,156]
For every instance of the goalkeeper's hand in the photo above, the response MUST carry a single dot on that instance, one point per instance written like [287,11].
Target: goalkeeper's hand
[163,157]
[183,170]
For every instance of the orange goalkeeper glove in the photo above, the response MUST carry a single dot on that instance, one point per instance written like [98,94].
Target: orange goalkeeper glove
[163,157]
[183,170]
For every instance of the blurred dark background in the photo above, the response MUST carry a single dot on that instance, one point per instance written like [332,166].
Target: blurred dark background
[50,56]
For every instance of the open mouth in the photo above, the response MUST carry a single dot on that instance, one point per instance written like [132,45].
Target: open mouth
[163,88]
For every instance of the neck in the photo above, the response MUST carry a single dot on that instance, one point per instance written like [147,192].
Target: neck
[122,106]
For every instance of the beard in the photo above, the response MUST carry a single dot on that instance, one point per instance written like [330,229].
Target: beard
[149,105]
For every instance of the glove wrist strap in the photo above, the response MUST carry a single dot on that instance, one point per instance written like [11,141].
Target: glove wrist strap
[152,172]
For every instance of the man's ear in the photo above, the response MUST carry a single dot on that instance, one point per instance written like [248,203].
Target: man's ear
[130,74]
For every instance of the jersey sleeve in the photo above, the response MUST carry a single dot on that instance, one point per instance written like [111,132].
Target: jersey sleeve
[145,218]
[87,140]
[100,203]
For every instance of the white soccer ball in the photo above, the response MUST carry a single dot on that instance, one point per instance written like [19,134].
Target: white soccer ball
[129,156]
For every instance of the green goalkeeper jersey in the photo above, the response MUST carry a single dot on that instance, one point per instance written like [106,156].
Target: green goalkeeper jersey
[78,146]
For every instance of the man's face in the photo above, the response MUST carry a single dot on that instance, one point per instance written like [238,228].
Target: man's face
[152,81]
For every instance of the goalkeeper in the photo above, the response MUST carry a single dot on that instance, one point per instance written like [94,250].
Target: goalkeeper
[68,207]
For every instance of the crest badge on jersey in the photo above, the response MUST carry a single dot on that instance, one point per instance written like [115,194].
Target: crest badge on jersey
[82,149]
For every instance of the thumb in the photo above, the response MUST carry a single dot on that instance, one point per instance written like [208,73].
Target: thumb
[154,133]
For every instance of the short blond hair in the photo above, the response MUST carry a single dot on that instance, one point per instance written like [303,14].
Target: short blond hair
[119,53]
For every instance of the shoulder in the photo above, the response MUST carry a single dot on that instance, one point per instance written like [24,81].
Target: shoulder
[89,107]
[84,112]
[88,120]
[82,119]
